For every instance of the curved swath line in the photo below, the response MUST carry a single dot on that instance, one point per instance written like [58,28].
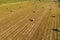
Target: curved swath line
[42,34]
[3,27]
[49,30]
[25,29]
[18,32]
[46,30]
[35,25]
[21,29]
[52,34]
[15,31]
[12,31]
[6,25]
[31,32]
[52,25]
[48,33]
[30,35]
[21,32]
[14,25]
[57,26]
[19,20]
[47,36]
[29,29]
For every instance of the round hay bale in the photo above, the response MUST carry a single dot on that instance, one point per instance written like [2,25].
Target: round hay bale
[53,16]
[31,19]
[33,11]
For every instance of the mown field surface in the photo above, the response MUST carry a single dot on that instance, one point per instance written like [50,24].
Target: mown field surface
[29,21]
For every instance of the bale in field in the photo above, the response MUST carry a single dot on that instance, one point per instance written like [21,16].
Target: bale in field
[50,9]
[20,7]
[53,16]
[39,0]
[42,7]
[31,19]
[7,8]
[58,15]
[56,30]
[11,11]
[33,11]
[57,39]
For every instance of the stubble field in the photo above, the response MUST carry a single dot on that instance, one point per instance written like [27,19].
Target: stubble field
[29,21]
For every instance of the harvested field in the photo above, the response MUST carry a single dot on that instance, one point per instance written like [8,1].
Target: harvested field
[29,21]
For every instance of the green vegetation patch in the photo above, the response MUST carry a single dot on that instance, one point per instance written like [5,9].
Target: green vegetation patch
[10,1]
